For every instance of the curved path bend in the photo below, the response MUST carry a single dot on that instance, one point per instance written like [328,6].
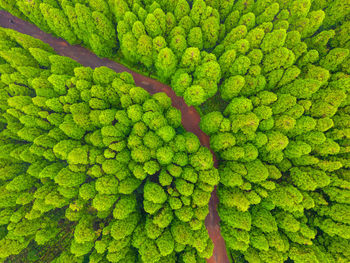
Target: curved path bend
[190,117]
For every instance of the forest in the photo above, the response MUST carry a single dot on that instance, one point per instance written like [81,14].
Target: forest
[95,169]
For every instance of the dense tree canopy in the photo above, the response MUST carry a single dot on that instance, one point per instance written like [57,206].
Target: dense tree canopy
[94,163]
[272,81]
[167,39]
[284,151]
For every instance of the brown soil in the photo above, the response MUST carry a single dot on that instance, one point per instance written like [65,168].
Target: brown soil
[190,117]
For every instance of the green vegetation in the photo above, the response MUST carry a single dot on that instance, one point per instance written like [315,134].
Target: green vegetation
[195,45]
[169,39]
[93,168]
[283,138]
[272,81]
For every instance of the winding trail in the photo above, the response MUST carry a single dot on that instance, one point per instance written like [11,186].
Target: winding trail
[190,117]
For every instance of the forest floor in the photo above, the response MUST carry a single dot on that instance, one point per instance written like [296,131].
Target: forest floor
[190,116]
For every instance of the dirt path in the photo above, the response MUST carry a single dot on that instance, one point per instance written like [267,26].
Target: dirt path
[190,117]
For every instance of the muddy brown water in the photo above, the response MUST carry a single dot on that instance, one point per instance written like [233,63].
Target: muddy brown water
[190,116]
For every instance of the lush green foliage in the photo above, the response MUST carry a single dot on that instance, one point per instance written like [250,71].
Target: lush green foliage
[169,39]
[91,161]
[195,45]
[281,69]
[283,138]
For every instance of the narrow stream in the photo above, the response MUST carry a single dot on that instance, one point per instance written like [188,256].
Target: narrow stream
[190,117]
